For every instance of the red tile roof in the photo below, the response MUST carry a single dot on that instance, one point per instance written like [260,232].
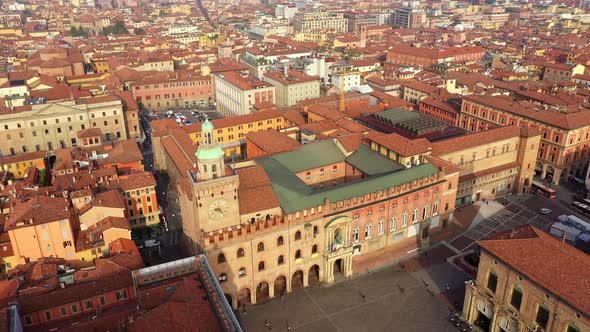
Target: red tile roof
[255,190]
[467,141]
[36,211]
[556,266]
[401,145]
[137,180]
[272,141]
[176,305]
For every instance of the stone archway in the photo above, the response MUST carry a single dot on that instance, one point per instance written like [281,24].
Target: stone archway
[244,296]
[313,277]
[549,173]
[297,280]
[280,286]
[262,292]
[539,169]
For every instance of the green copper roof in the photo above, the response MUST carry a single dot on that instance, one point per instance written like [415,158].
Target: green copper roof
[207,126]
[294,195]
[372,163]
[209,153]
[310,156]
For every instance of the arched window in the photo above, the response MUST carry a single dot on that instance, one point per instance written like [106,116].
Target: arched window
[221,258]
[314,249]
[242,272]
[297,254]
[321,171]
[415,216]
[355,235]
[214,168]
[425,213]
[280,260]
[308,175]
[297,235]
[315,231]
[222,277]
[240,252]
[435,208]
[380,227]
[392,224]
[405,220]
[261,266]
[260,246]
[334,168]
[280,241]
[368,231]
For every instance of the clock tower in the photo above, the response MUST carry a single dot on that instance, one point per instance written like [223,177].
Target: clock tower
[209,154]
[215,188]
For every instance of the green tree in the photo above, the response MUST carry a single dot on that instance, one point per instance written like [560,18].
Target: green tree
[117,29]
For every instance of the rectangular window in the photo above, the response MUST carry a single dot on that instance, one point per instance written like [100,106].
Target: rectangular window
[516,298]
[48,315]
[542,316]
[28,320]
[74,308]
[102,300]
[64,311]
[492,282]
[121,295]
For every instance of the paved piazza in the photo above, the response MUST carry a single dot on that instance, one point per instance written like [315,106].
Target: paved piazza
[391,299]
[507,213]
[407,296]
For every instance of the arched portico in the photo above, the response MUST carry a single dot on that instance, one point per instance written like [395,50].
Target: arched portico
[280,286]
[313,276]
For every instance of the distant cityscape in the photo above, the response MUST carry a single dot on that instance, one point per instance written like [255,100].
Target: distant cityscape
[261,165]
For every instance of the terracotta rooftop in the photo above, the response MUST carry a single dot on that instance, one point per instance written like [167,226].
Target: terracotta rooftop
[136,181]
[255,190]
[243,82]
[36,211]
[556,266]
[272,141]
[180,304]
[401,145]
[467,141]
[90,132]
[23,157]
[572,120]
[124,151]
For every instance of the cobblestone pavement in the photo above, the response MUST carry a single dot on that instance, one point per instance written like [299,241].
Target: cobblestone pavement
[406,297]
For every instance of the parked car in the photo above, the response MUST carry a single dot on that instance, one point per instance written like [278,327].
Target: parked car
[151,243]
[186,122]
[544,211]
[169,112]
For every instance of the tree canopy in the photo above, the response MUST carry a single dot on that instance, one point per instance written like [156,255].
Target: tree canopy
[117,29]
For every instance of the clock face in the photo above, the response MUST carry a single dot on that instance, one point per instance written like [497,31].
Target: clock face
[218,209]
